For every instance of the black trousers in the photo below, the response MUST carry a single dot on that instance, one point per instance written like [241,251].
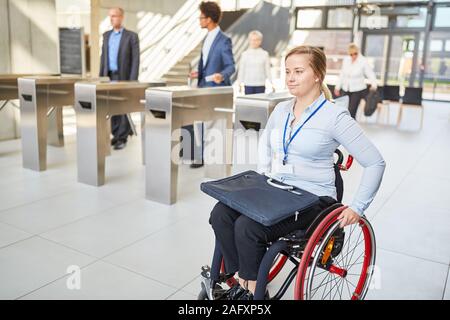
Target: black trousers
[243,241]
[120,126]
[355,100]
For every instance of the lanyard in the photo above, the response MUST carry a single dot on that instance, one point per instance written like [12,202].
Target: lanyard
[286,146]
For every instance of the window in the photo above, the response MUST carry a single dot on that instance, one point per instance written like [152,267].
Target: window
[310,18]
[416,21]
[334,42]
[447,45]
[441,18]
[340,18]
[436,45]
[374,22]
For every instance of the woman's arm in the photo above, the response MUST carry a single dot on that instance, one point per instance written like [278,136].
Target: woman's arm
[350,135]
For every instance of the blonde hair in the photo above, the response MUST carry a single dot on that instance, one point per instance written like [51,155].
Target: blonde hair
[256,33]
[318,62]
[353,47]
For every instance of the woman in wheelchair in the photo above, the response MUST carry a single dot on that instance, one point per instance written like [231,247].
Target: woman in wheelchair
[297,148]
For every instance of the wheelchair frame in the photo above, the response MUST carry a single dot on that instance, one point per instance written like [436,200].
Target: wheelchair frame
[315,247]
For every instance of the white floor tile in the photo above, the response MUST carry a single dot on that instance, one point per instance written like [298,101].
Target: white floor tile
[400,277]
[9,235]
[174,255]
[51,213]
[447,288]
[183,296]
[102,234]
[102,281]
[415,229]
[33,263]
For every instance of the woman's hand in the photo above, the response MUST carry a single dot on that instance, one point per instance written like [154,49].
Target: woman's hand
[337,93]
[349,217]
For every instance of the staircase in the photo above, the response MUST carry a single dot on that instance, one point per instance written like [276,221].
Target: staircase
[178,74]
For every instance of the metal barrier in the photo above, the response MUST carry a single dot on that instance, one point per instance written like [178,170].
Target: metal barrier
[167,111]
[42,99]
[95,102]
[252,113]
[9,118]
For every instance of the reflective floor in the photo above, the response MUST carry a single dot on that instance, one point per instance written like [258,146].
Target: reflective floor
[130,248]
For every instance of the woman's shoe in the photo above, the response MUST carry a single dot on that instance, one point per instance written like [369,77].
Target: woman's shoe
[233,294]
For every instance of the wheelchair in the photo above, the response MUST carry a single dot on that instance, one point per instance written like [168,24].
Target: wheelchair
[329,263]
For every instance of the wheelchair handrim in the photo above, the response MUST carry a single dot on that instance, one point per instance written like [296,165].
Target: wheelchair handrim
[317,243]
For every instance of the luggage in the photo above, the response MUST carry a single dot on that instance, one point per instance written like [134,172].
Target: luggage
[260,198]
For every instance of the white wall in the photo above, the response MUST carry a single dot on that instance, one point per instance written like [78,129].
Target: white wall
[32,35]
[5,59]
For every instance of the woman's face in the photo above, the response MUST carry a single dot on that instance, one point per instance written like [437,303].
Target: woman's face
[353,54]
[254,41]
[300,77]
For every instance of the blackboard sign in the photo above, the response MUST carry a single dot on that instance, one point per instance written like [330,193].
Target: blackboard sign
[71,51]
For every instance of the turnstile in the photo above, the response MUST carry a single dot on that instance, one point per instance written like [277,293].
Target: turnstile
[9,118]
[42,99]
[253,111]
[167,111]
[252,114]
[95,102]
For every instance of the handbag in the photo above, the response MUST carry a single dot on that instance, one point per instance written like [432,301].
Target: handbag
[372,100]
[260,198]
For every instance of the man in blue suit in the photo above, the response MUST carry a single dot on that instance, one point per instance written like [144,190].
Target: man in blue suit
[217,62]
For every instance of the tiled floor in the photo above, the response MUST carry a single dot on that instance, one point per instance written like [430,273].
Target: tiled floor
[131,248]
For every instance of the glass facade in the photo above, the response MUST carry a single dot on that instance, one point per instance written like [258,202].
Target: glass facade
[407,43]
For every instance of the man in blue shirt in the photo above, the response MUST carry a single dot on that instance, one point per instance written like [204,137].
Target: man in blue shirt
[216,64]
[120,61]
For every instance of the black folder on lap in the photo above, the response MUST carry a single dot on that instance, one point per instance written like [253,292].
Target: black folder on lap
[260,198]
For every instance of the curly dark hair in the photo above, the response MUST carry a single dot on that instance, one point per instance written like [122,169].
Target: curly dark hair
[211,10]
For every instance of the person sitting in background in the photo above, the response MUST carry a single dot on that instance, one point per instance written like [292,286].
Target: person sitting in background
[355,70]
[254,68]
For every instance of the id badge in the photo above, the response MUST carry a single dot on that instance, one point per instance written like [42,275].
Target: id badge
[279,167]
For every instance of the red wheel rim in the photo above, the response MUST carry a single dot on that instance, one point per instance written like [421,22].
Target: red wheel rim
[322,229]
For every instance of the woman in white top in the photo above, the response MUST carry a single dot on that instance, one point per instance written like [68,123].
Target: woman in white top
[355,70]
[254,68]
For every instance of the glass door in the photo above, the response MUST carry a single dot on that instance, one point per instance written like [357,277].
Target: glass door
[393,56]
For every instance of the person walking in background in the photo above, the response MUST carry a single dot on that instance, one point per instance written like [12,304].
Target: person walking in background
[216,64]
[254,68]
[351,82]
[120,61]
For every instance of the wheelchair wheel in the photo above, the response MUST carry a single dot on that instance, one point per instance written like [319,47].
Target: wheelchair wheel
[337,263]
